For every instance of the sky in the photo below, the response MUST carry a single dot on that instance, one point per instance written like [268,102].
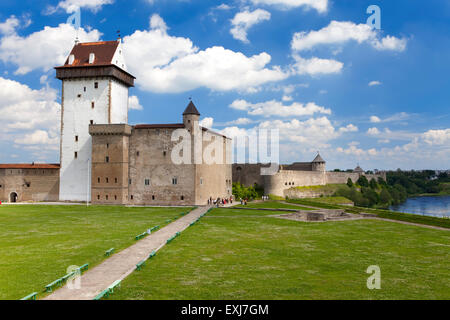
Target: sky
[313,69]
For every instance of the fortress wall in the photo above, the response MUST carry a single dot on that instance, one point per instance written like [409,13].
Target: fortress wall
[29,184]
[285,179]
[248,174]
[342,177]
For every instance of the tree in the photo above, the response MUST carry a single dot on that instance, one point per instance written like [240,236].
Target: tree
[349,183]
[382,182]
[372,197]
[373,184]
[385,197]
[363,182]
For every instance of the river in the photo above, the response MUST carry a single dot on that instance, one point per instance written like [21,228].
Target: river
[429,206]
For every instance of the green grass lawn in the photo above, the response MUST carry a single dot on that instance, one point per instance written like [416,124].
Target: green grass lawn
[270,258]
[273,205]
[238,212]
[331,200]
[38,243]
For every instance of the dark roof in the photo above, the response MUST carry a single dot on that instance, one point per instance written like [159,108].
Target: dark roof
[29,166]
[159,126]
[104,52]
[318,158]
[191,109]
[358,169]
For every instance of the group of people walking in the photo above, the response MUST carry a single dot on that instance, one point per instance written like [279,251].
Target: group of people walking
[220,201]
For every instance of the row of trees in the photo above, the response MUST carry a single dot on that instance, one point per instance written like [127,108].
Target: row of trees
[399,186]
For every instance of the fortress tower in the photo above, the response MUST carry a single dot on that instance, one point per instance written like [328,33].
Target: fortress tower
[95,87]
[318,164]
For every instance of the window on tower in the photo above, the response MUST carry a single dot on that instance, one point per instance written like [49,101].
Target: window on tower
[76,138]
[96,85]
[92,104]
[92,121]
[76,155]
[107,159]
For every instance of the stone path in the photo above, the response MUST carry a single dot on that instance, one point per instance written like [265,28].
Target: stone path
[122,264]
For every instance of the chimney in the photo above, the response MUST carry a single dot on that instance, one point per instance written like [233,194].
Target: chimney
[71,59]
[91,58]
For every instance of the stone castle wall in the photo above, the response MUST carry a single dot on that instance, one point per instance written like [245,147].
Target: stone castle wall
[29,184]
[281,183]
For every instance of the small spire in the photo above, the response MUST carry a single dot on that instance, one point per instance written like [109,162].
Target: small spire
[191,109]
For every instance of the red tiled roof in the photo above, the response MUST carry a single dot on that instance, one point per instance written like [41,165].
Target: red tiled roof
[104,52]
[29,166]
[159,126]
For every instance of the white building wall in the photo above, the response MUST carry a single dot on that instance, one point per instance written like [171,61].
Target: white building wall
[119,102]
[119,59]
[76,117]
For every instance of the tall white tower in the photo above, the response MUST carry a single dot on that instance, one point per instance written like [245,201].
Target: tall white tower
[95,87]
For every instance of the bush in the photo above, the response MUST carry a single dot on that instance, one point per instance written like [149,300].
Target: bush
[251,193]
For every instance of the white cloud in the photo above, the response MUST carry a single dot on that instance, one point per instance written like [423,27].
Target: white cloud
[167,64]
[401,116]
[276,108]
[223,6]
[134,104]
[156,22]
[240,121]
[340,32]
[72,5]
[29,116]
[319,5]
[373,131]
[352,150]
[287,98]
[9,26]
[244,20]
[38,137]
[375,119]
[349,128]
[50,47]
[437,137]
[314,132]
[374,83]
[390,43]
[207,123]
[315,66]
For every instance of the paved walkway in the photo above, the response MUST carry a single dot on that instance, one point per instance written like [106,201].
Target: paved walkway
[122,264]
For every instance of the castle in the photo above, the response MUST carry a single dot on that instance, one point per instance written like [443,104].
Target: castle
[298,174]
[104,160]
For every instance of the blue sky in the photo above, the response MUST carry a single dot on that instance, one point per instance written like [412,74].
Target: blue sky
[312,69]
